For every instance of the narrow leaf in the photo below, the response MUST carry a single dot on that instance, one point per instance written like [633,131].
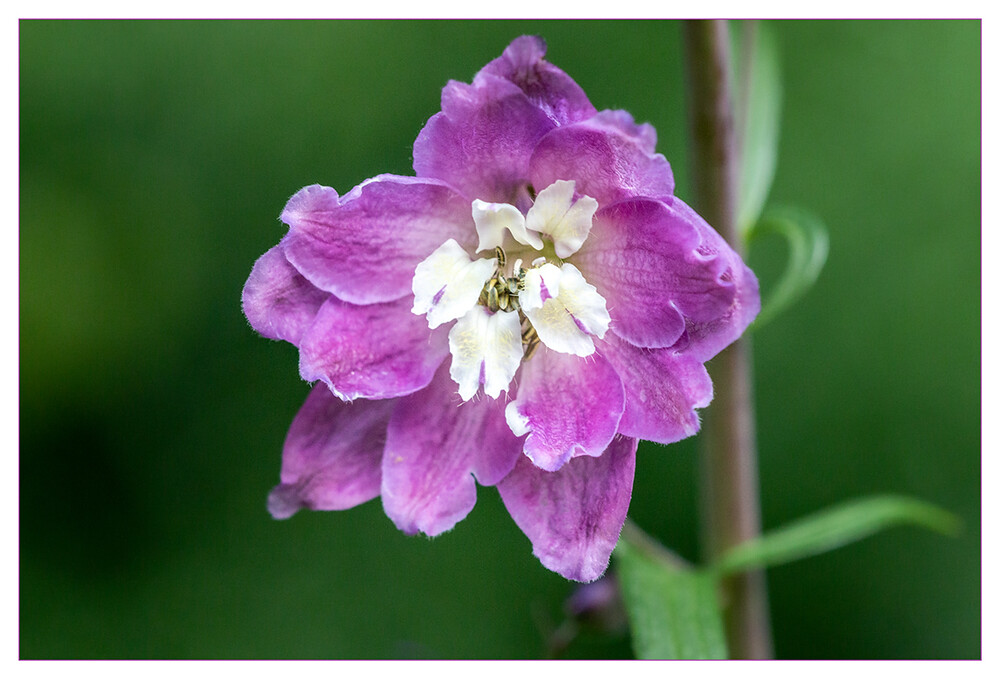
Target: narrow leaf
[832,528]
[673,611]
[808,245]
[757,113]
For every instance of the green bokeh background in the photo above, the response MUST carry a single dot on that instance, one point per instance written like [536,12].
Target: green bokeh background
[155,159]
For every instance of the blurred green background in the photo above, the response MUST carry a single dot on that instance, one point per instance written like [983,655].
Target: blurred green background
[155,159]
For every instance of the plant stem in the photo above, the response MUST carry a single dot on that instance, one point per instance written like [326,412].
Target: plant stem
[730,496]
[652,548]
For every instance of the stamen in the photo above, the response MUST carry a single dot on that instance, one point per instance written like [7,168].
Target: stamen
[530,350]
[528,333]
[529,340]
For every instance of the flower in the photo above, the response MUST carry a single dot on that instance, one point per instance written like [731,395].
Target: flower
[518,314]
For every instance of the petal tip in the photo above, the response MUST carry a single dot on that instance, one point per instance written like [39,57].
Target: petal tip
[547,459]
[584,572]
[283,502]
[308,199]
[516,420]
[526,49]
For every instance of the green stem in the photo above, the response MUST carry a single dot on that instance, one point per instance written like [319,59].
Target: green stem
[730,496]
[638,538]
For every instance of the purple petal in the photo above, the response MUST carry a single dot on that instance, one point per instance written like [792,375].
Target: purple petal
[482,139]
[548,87]
[644,134]
[277,300]
[708,334]
[371,351]
[365,246]
[662,390]
[650,263]
[435,444]
[609,156]
[574,516]
[569,405]
[333,454]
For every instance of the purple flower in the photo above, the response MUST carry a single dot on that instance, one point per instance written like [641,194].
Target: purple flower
[519,314]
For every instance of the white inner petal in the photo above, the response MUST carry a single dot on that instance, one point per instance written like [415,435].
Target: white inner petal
[447,284]
[493,220]
[485,349]
[556,215]
[564,309]
[539,285]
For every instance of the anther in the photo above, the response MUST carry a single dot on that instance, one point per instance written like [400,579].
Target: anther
[492,296]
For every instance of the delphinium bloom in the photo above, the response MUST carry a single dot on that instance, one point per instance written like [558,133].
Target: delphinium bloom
[519,314]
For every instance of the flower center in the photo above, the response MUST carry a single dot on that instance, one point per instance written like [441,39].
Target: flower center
[501,293]
[502,314]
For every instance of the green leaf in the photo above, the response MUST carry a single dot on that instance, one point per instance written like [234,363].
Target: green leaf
[673,611]
[832,528]
[757,110]
[808,245]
